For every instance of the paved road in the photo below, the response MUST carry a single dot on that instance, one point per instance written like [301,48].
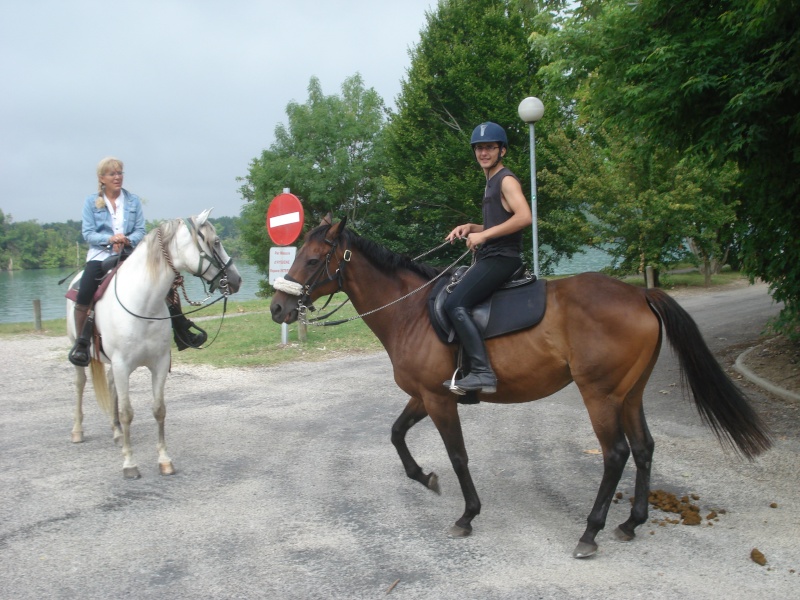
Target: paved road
[288,487]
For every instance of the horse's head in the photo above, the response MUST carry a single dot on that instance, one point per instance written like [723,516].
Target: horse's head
[202,254]
[317,271]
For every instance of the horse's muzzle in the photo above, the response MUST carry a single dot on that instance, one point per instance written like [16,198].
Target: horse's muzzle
[283,312]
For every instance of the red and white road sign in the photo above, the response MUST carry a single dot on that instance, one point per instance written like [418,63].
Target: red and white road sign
[285,219]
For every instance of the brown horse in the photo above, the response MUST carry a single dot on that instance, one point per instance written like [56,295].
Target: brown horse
[601,333]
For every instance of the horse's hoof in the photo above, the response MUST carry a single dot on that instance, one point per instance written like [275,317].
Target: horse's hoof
[622,535]
[131,473]
[77,438]
[433,484]
[456,531]
[584,550]
[166,468]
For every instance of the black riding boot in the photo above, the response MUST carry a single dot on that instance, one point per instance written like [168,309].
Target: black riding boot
[181,332]
[481,378]
[79,355]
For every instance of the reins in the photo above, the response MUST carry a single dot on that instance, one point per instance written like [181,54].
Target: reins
[178,282]
[306,290]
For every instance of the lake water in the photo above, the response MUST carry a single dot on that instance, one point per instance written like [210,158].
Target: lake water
[18,289]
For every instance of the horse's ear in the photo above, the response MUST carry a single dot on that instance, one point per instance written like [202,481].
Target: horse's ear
[327,220]
[336,230]
[203,216]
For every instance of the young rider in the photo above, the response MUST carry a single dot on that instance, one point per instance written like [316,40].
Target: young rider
[497,245]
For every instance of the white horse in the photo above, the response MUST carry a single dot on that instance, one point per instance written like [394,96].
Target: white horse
[133,322]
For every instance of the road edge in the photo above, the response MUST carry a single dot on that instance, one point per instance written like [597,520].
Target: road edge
[768,386]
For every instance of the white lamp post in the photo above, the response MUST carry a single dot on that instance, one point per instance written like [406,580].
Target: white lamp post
[531,110]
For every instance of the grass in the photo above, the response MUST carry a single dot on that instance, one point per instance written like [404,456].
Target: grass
[247,336]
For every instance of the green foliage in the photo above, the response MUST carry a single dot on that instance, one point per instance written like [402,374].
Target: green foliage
[29,245]
[329,156]
[714,79]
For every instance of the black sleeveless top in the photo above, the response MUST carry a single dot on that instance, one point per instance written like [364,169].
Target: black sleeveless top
[494,214]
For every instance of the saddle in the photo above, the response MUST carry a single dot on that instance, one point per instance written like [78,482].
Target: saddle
[518,304]
[109,267]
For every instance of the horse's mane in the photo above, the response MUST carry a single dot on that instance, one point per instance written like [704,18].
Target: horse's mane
[382,258]
[155,256]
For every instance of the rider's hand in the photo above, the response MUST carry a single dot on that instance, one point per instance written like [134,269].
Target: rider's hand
[459,233]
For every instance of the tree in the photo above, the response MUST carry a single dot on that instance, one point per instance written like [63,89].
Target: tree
[328,155]
[473,64]
[718,78]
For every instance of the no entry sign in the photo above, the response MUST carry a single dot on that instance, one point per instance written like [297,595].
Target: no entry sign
[284,219]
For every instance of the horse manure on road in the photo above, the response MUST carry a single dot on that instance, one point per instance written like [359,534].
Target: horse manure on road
[758,557]
[685,507]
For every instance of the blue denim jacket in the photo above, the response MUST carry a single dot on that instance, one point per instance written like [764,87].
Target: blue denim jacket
[98,225]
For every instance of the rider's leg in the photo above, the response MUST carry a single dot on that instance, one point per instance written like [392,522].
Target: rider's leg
[181,332]
[477,284]
[79,354]
[481,378]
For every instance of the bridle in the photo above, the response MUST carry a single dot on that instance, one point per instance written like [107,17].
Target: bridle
[219,281]
[304,291]
[291,286]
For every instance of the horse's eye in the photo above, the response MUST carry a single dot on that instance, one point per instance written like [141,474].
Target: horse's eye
[313,262]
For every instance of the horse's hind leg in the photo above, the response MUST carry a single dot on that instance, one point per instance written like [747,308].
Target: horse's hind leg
[608,428]
[641,443]
[412,414]
[80,386]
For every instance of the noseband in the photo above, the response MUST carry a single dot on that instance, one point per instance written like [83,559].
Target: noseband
[293,287]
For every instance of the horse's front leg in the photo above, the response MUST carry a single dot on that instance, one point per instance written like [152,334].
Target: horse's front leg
[412,414]
[444,413]
[129,468]
[116,429]
[77,419]
[159,377]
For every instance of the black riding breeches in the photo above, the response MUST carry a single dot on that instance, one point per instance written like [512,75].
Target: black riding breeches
[480,281]
[90,281]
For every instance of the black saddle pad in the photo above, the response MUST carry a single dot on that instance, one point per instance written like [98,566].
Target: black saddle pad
[519,306]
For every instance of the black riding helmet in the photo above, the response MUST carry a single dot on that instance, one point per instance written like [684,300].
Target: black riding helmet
[489,132]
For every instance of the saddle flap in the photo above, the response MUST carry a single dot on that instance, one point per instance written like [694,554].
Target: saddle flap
[72,292]
[516,306]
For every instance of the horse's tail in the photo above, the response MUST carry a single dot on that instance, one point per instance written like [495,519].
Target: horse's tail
[100,384]
[721,404]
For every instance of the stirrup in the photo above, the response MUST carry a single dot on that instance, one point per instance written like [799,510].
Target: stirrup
[451,385]
[80,362]
[188,339]
[483,382]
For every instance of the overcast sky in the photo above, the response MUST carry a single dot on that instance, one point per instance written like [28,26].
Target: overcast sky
[185,92]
